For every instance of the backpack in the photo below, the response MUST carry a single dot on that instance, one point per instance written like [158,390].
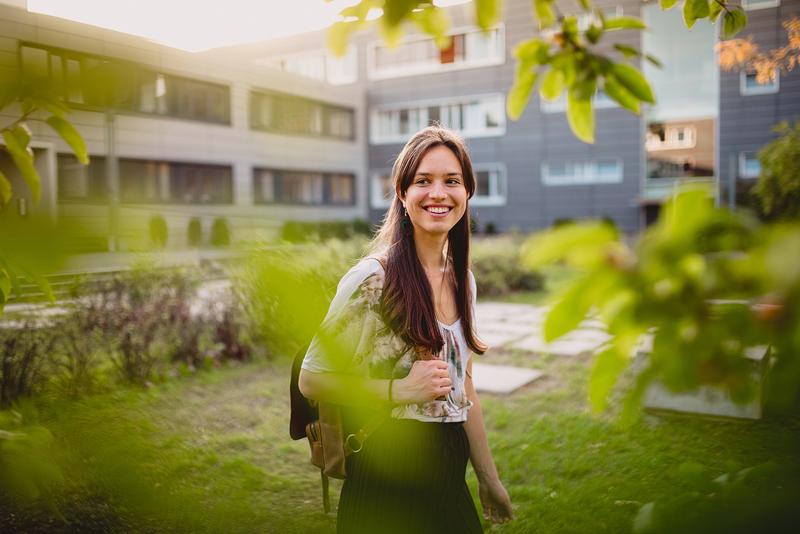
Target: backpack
[321,424]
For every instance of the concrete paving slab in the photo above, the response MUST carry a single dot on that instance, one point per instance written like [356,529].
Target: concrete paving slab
[502,379]
[559,347]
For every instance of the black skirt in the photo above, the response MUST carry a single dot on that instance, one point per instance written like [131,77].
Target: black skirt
[409,477]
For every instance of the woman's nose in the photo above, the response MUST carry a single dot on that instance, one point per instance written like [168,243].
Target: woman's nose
[437,191]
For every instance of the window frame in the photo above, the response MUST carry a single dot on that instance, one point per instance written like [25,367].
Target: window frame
[373,73]
[580,178]
[256,93]
[326,56]
[742,165]
[326,176]
[498,188]
[760,5]
[415,106]
[768,89]
[139,69]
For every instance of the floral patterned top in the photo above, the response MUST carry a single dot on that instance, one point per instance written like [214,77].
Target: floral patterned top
[354,339]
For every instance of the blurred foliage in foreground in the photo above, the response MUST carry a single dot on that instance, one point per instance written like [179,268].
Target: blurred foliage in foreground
[706,282]
[778,186]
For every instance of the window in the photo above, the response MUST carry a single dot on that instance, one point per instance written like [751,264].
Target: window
[749,166]
[420,55]
[749,86]
[81,182]
[273,186]
[86,80]
[478,116]
[575,173]
[318,65]
[490,185]
[151,182]
[283,113]
[382,190]
[667,137]
[752,5]
[601,100]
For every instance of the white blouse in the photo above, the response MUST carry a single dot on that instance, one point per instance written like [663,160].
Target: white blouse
[354,339]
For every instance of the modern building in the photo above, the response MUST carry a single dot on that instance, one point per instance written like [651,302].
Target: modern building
[191,138]
[265,132]
[705,128]
[749,110]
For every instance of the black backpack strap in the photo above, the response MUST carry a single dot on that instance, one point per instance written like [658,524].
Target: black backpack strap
[302,410]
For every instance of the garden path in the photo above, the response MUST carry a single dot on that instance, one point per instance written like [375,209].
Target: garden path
[506,326]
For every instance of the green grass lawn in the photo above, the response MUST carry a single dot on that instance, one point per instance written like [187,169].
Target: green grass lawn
[211,453]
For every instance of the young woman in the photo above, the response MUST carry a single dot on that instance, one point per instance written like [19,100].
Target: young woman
[398,338]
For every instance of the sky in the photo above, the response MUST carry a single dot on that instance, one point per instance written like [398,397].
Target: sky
[196,25]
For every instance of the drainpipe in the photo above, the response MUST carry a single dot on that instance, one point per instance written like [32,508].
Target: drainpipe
[112,182]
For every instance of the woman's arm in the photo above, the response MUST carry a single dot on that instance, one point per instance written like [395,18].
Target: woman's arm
[494,497]
[426,381]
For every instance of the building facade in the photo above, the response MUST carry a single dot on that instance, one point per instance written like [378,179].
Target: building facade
[749,110]
[190,138]
[261,133]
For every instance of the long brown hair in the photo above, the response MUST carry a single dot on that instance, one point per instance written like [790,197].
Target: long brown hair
[407,300]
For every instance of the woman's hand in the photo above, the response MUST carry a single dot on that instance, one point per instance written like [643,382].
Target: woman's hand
[427,380]
[495,501]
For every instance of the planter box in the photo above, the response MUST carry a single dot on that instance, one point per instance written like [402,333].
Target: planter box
[710,400]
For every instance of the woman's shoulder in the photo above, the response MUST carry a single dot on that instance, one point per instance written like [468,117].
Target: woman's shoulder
[368,272]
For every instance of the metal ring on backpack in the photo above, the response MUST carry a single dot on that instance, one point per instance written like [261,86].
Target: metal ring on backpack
[357,440]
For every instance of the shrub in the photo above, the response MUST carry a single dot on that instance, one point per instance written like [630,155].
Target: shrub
[286,293]
[304,232]
[194,232]
[220,232]
[497,268]
[158,231]
[24,348]
[491,228]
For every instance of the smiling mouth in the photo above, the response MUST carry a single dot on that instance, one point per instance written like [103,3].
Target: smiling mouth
[438,210]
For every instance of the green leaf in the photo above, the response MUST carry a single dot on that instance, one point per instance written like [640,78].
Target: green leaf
[5,189]
[565,242]
[534,51]
[585,4]
[487,13]
[570,309]
[73,138]
[594,33]
[544,12]
[714,9]
[580,113]
[620,95]
[653,60]
[338,36]
[520,92]
[605,372]
[624,23]
[693,10]
[433,21]
[633,81]
[626,50]
[395,12]
[23,159]
[552,83]
[667,4]
[5,287]
[390,33]
[733,22]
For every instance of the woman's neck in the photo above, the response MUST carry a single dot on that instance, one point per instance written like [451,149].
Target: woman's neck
[430,251]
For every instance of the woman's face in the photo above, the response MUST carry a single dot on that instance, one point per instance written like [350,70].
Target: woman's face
[437,198]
